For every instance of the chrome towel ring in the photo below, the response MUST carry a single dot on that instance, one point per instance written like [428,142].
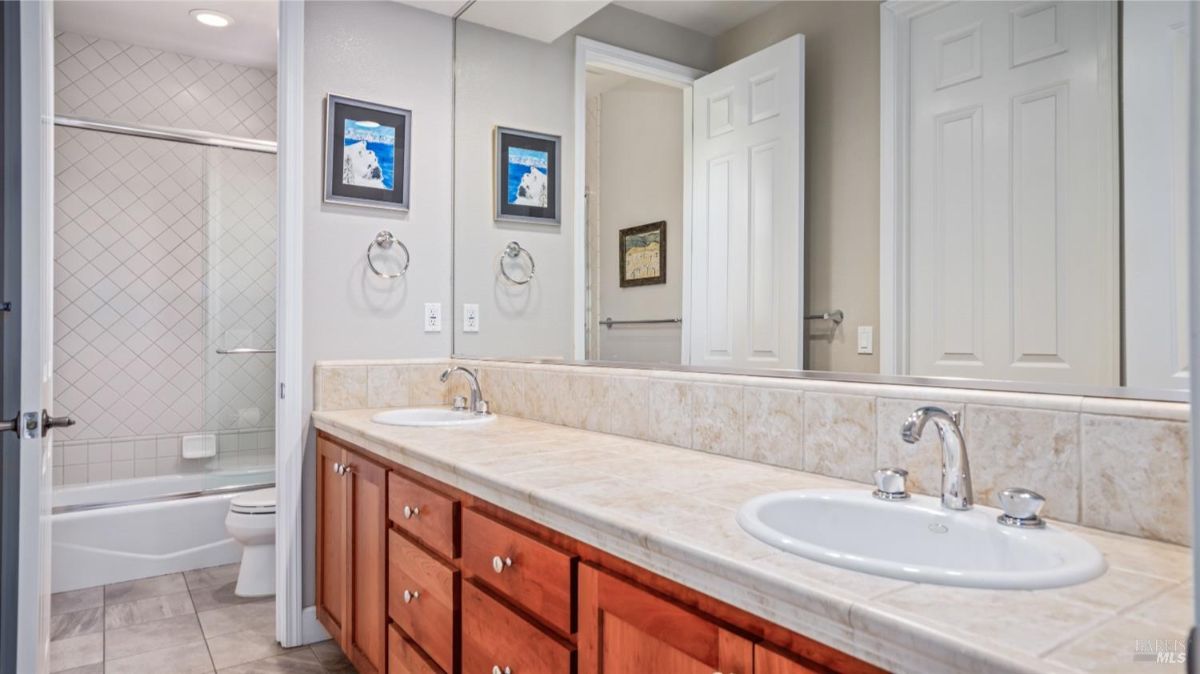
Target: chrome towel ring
[513,251]
[385,239]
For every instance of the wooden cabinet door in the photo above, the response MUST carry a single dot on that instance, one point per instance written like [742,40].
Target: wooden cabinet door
[624,628]
[332,543]
[367,640]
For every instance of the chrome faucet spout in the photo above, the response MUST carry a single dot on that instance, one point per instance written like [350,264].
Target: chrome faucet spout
[957,492]
[472,380]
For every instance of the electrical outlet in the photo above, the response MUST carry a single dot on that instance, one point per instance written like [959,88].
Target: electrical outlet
[433,317]
[866,339]
[470,318]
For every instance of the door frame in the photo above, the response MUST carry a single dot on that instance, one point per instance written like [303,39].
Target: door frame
[595,54]
[294,624]
[894,19]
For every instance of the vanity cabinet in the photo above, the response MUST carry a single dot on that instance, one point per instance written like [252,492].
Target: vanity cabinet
[417,577]
[352,554]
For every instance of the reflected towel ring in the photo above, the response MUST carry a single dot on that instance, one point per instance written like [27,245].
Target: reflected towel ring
[385,239]
[513,251]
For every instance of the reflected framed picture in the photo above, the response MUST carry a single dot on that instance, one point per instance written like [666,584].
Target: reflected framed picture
[367,149]
[644,254]
[528,188]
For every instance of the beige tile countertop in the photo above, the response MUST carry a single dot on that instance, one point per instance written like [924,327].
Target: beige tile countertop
[671,511]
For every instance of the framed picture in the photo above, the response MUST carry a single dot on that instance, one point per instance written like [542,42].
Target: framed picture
[644,254]
[367,149]
[528,188]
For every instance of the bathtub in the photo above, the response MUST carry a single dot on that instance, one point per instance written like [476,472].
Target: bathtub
[126,529]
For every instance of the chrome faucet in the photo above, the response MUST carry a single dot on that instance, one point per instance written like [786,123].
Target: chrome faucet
[956,470]
[478,405]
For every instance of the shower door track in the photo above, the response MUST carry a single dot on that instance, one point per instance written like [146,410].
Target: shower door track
[166,133]
[212,491]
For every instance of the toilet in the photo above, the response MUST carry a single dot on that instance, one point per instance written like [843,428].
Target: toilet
[251,522]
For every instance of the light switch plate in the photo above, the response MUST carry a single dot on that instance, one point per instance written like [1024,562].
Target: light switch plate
[470,318]
[433,317]
[866,339]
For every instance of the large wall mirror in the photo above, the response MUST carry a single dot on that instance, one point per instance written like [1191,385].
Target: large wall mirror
[981,192]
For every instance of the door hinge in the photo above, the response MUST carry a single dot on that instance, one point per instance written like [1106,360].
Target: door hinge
[282,392]
[31,423]
[6,306]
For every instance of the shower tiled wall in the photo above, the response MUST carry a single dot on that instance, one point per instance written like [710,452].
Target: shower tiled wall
[163,252]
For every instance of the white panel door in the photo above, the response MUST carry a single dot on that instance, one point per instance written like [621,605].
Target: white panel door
[1012,225]
[1155,63]
[747,257]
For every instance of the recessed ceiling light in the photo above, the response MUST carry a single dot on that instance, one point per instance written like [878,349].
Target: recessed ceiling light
[212,18]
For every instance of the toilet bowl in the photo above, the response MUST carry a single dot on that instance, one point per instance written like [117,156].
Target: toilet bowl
[251,522]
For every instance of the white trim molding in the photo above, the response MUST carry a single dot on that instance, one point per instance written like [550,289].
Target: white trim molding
[1193,182]
[289,372]
[592,54]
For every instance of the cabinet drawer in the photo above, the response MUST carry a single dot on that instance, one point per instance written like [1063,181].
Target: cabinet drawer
[426,613]
[404,657]
[531,574]
[427,515]
[495,636]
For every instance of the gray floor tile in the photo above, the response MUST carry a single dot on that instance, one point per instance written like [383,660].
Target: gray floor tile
[76,600]
[151,636]
[220,596]
[211,577]
[95,668]
[182,659]
[299,661]
[141,611]
[331,657]
[144,588]
[76,623]
[220,621]
[236,648]
[76,652]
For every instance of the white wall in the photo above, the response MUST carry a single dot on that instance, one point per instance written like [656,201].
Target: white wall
[507,80]
[387,53]
[638,135]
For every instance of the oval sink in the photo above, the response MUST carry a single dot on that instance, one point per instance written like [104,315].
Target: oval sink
[918,540]
[431,416]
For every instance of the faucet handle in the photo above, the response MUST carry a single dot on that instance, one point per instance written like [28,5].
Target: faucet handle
[1021,508]
[890,484]
[460,403]
[483,407]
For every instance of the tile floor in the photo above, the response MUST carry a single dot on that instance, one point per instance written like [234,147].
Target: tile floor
[180,623]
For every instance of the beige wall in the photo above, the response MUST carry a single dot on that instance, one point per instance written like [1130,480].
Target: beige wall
[639,180]
[841,164]
[504,79]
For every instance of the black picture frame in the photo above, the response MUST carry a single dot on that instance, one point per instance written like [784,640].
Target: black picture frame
[533,199]
[368,176]
[656,231]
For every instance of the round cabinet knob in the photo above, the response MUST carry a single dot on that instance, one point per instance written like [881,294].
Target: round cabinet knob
[1021,508]
[410,597]
[337,467]
[890,484]
[496,670]
[411,512]
[500,563]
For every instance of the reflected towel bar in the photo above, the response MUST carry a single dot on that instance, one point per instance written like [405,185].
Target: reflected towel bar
[837,316]
[608,322]
[241,350]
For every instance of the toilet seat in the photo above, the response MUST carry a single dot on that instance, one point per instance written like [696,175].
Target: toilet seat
[258,502]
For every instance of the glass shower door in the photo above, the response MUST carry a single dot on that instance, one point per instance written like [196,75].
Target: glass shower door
[239,375]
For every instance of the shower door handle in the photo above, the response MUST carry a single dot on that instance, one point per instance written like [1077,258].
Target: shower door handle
[49,422]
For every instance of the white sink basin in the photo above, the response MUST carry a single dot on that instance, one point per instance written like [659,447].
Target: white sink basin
[918,540]
[431,416]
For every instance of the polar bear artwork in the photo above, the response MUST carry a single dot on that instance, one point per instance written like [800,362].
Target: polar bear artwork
[532,190]
[360,166]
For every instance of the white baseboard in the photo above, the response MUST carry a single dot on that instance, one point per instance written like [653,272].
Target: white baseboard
[311,629]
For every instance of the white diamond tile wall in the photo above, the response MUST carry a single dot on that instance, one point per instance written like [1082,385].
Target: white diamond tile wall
[114,81]
[163,252]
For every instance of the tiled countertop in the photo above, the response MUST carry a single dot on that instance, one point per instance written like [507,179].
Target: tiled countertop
[671,511]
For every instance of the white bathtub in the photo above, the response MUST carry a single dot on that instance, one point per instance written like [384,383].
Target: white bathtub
[123,541]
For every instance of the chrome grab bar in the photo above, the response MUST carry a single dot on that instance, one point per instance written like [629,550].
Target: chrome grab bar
[243,349]
[837,316]
[180,495]
[608,322]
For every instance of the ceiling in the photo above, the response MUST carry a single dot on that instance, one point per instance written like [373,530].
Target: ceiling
[544,20]
[711,17]
[249,41]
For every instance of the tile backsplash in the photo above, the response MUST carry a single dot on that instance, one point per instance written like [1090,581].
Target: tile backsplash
[1118,465]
